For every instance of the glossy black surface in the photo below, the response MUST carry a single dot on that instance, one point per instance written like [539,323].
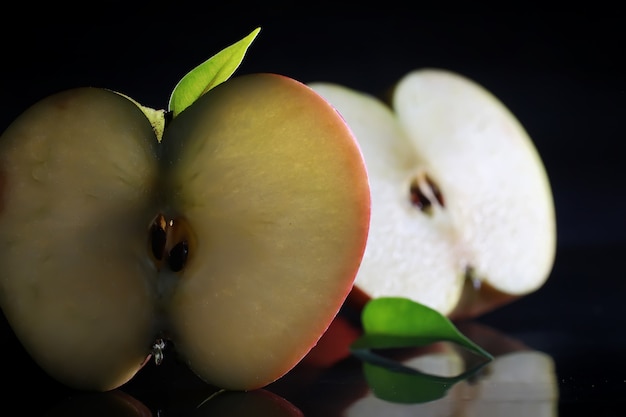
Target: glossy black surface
[561,74]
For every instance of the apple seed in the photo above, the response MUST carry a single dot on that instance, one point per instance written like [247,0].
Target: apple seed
[177,257]
[423,192]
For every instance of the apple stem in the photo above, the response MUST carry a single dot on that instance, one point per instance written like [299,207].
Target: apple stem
[470,274]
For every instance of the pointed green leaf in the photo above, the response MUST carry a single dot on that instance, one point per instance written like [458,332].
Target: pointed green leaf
[404,323]
[209,74]
[394,322]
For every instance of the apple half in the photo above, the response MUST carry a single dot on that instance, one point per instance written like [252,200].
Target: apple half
[463,218]
[236,238]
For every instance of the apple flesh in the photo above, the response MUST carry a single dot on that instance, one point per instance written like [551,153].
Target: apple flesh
[236,238]
[281,192]
[462,211]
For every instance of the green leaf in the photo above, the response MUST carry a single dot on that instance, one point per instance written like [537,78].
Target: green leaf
[209,74]
[393,322]
[405,323]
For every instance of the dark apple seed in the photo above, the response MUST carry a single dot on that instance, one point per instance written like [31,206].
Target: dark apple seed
[178,256]
[424,193]
[418,198]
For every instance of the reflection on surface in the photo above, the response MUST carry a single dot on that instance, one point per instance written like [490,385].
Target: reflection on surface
[261,403]
[418,375]
[514,384]
[113,403]
[519,382]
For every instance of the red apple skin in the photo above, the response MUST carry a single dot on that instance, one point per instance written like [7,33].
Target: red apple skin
[334,345]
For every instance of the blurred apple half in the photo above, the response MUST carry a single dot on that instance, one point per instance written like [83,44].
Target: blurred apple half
[463,216]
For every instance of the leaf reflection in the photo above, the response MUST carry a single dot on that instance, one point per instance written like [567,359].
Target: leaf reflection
[394,381]
[519,381]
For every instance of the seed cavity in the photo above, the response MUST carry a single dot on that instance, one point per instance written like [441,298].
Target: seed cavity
[169,242]
[425,194]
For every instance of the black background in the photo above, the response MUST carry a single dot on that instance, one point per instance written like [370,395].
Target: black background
[562,74]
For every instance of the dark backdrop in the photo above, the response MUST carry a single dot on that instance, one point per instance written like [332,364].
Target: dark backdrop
[561,74]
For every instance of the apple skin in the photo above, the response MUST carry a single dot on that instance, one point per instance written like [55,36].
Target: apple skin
[334,345]
[267,185]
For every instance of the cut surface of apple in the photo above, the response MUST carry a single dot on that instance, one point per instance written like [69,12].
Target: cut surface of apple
[237,237]
[278,188]
[462,211]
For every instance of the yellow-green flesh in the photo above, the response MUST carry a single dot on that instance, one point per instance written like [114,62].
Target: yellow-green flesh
[78,173]
[271,184]
[277,195]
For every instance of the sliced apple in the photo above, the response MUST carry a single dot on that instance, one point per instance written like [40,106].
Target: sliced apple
[278,195]
[78,172]
[463,217]
[236,238]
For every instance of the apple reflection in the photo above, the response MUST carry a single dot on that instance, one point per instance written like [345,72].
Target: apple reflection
[116,403]
[514,384]
[519,382]
[260,403]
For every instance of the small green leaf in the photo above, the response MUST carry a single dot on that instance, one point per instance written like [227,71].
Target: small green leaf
[394,322]
[405,323]
[209,74]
